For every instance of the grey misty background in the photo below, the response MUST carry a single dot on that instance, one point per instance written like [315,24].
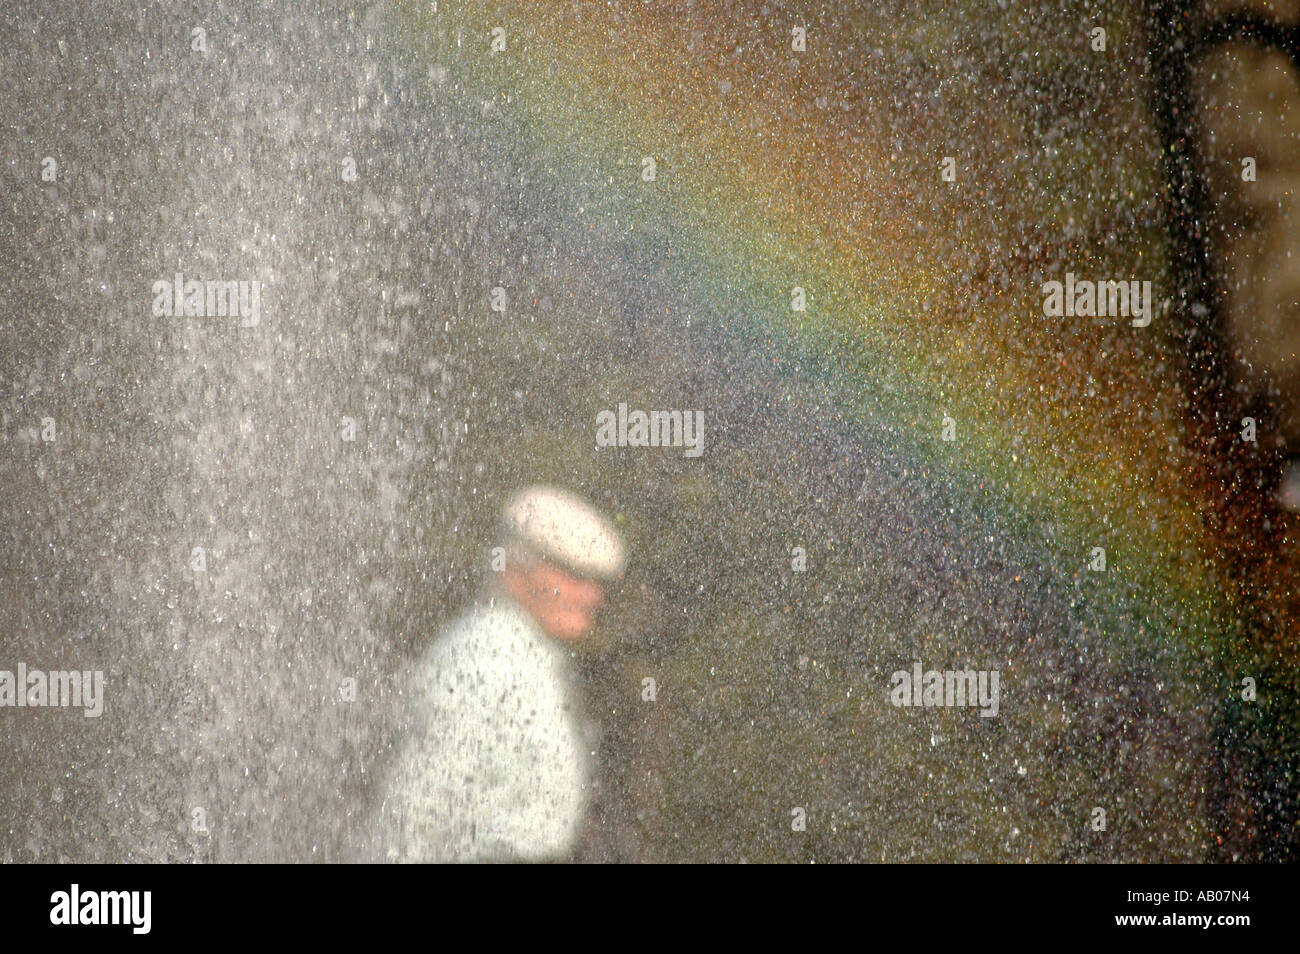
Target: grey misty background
[329,560]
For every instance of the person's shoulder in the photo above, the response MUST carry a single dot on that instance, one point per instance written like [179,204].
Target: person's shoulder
[488,643]
[497,629]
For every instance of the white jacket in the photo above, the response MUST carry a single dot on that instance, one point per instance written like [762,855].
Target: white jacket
[496,766]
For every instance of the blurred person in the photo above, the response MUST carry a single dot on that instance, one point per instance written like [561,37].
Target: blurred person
[497,765]
[1250,124]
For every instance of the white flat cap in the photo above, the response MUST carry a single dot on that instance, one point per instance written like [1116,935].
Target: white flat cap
[567,529]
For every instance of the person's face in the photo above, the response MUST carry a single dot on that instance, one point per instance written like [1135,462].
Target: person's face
[563,605]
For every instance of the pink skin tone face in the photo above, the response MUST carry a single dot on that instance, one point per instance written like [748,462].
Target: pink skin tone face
[563,605]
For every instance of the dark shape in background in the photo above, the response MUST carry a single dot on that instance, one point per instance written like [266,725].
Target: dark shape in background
[1257,789]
